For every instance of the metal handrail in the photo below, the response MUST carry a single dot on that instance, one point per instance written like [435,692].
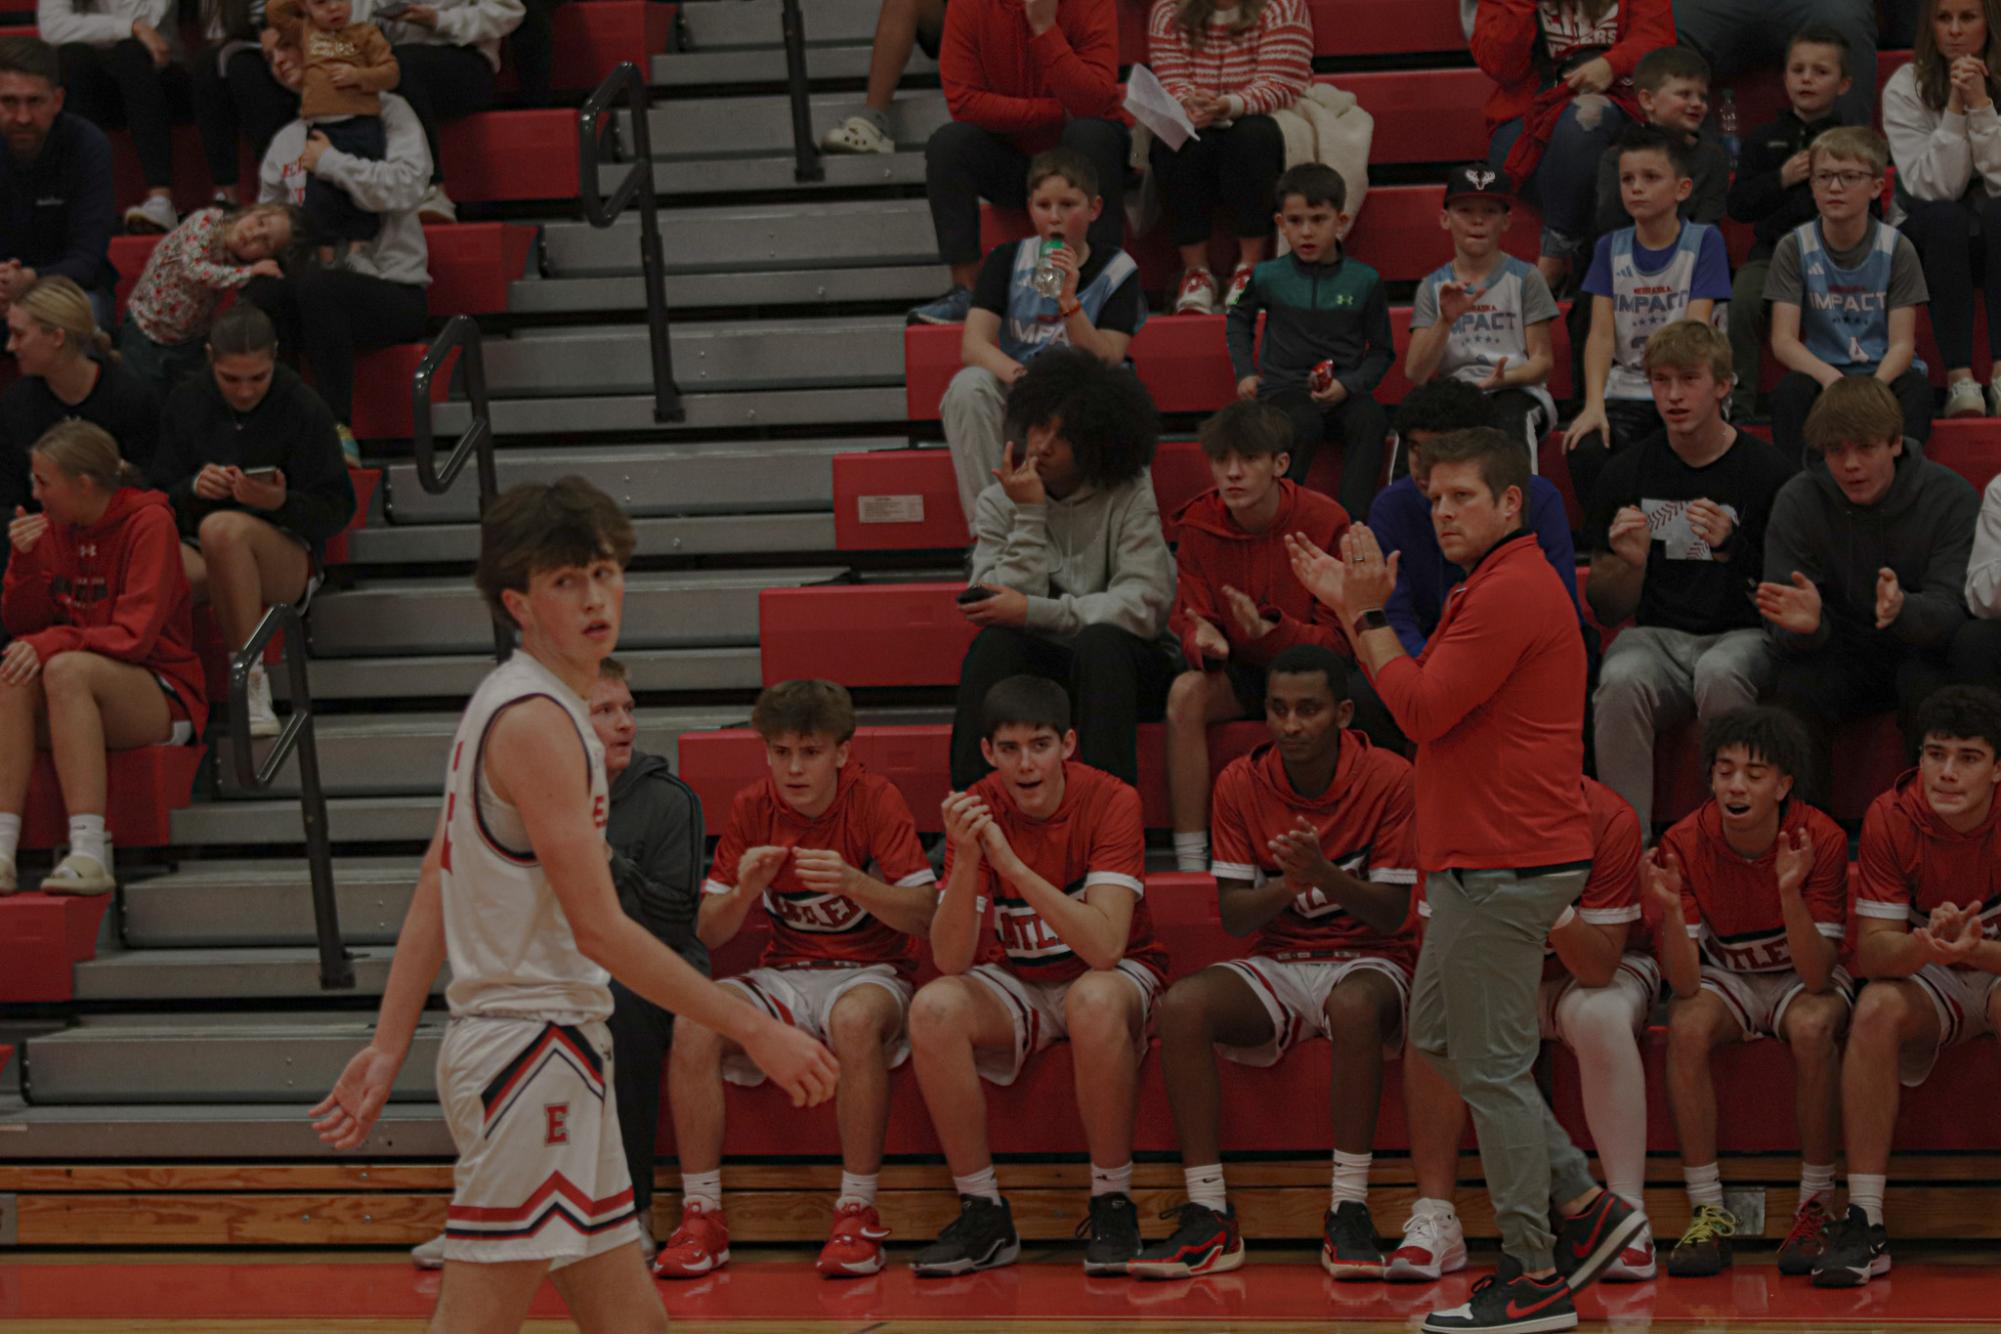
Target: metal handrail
[460,334]
[805,155]
[625,86]
[336,964]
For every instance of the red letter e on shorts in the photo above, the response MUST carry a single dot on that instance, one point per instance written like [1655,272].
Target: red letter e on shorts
[557,1115]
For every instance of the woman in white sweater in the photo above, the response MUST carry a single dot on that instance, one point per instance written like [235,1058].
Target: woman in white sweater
[121,69]
[1945,137]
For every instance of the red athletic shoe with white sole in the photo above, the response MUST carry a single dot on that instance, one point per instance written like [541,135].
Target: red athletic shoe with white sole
[700,1246]
[854,1249]
[1636,1263]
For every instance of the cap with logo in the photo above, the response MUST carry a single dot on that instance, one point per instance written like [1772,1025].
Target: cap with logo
[1477,180]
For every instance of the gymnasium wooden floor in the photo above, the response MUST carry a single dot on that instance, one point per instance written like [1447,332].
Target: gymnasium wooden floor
[774,1292]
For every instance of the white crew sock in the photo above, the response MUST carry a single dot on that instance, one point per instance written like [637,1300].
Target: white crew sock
[1351,1177]
[1426,1205]
[1191,851]
[1705,1185]
[10,835]
[703,1188]
[1865,1192]
[856,1188]
[981,1185]
[1205,1186]
[86,835]
[1815,1179]
[1112,1180]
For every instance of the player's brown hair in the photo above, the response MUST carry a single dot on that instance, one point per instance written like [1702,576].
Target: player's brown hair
[1854,410]
[1031,701]
[546,526]
[1766,734]
[611,669]
[1503,462]
[1068,163]
[1687,343]
[809,707]
[1247,426]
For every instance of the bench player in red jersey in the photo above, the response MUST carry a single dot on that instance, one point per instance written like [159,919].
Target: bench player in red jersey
[1752,891]
[1055,851]
[1928,910]
[1599,983]
[516,888]
[1314,852]
[831,852]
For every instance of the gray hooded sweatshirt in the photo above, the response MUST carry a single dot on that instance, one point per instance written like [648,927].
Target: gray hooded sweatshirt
[1093,557]
[1922,528]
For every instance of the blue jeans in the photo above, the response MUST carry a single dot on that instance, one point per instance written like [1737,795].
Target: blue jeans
[1565,184]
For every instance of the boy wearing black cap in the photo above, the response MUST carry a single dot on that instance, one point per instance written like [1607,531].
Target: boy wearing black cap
[1485,317]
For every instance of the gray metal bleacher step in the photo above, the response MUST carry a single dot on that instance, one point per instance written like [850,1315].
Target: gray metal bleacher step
[229,1056]
[903,284]
[824,60]
[799,536]
[263,973]
[394,754]
[198,1131]
[733,128]
[709,24]
[679,479]
[567,416]
[229,904]
[741,237]
[833,352]
[454,676]
[216,824]
[419,616]
[775,170]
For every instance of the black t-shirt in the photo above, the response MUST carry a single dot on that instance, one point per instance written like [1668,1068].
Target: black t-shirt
[1688,587]
[122,404]
[1122,308]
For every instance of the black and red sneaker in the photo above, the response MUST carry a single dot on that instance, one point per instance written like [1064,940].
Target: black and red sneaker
[1587,1242]
[1348,1246]
[1509,1300]
[1204,1242]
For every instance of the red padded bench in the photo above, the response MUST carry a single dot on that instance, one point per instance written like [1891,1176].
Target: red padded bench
[720,764]
[592,39]
[472,263]
[382,390]
[42,938]
[144,786]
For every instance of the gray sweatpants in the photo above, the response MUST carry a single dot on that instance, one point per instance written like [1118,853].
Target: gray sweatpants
[1473,1014]
[1654,678]
[973,412]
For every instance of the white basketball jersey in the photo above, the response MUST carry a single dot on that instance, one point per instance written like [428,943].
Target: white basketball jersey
[511,949]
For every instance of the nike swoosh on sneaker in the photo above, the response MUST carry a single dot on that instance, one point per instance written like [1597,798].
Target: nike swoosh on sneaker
[1584,1248]
[1516,1311]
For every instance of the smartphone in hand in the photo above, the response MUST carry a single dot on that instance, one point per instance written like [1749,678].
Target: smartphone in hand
[972,593]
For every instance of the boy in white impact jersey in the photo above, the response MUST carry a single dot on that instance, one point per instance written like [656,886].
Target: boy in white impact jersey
[517,889]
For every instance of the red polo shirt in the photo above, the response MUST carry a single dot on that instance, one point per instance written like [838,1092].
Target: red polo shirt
[1496,707]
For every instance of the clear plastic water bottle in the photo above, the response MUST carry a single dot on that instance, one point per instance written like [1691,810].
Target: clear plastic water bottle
[1726,122]
[1048,279]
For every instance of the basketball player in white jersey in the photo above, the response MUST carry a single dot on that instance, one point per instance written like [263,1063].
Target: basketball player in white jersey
[517,891]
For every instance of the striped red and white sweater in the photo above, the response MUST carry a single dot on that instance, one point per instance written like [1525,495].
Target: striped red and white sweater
[1263,69]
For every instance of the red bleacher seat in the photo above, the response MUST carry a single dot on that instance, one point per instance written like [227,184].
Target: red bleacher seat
[144,786]
[511,155]
[719,764]
[42,937]
[382,390]
[366,482]
[591,39]
[877,634]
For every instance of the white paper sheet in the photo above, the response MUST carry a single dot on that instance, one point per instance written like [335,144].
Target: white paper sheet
[1154,107]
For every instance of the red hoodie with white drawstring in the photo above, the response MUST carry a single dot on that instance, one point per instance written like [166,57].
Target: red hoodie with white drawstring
[1214,550]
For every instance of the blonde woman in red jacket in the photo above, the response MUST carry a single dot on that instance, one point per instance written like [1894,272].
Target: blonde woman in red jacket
[102,657]
[1562,70]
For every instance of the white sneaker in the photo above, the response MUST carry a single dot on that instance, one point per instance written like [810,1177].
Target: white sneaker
[263,719]
[436,207]
[1198,293]
[1964,399]
[154,213]
[10,876]
[1635,1263]
[1433,1244]
[429,1255]
[856,134]
[1994,397]
[79,873]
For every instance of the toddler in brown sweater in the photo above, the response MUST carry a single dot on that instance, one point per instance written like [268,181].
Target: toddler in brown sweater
[345,67]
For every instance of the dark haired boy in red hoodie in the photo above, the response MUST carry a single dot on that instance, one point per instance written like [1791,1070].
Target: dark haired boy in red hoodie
[1236,603]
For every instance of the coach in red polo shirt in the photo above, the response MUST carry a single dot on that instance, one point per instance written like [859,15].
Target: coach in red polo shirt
[1020,76]
[1496,707]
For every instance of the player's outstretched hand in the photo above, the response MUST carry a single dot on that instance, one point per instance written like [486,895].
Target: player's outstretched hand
[795,1062]
[1794,860]
[344,1117]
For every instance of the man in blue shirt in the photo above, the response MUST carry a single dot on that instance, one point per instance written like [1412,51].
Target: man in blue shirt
[57,204]
[1401,516]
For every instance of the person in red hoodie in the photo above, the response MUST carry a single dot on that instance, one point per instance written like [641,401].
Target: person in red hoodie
[1496,707]
[1236,604]
[1563,76]
[1928,918]
[1020,76]
[103,655]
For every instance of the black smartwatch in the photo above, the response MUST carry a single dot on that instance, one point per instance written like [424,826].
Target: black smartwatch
[1371,620]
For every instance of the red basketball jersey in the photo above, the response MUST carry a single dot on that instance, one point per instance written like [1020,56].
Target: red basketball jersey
[1096,837]
[1731,903]
[1366,822]
[1612,893]
[869,824]
[1911,861]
